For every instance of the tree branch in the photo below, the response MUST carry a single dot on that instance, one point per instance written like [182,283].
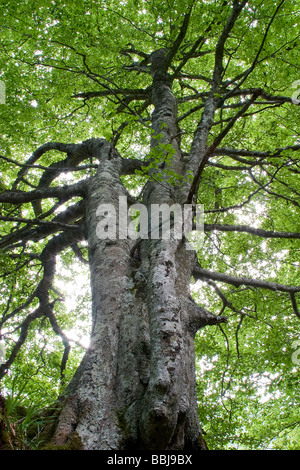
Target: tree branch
[39,152]
[254,231]
[44,228]
[268,191]
[22,338]
[47,168]
[252,67]
[200,273]
[199,317]
[181,35]
[135,94]
[294,304]
[62,192]
[218,68]
[235,153]
[53,247]
[214,145]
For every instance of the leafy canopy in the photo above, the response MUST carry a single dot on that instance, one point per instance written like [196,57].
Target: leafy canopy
[73,71]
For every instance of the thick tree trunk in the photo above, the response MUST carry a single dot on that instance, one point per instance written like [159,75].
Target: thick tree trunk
[135,388]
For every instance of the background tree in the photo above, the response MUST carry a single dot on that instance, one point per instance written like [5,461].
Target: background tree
[180,102]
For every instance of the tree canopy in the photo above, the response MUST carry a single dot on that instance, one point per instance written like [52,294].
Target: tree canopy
[82,70]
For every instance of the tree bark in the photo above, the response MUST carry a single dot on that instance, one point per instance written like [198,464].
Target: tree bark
[136,386]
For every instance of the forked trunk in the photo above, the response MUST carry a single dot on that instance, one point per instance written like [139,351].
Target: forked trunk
[135,388]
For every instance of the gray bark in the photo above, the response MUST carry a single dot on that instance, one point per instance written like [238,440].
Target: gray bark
[135,388]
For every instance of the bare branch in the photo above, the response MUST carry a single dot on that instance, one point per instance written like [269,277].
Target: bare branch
[56,328]
[78,253]
[202,274]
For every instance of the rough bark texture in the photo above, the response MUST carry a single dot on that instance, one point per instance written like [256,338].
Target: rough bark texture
[135,388]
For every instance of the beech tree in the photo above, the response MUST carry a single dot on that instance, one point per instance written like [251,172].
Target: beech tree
[182,102]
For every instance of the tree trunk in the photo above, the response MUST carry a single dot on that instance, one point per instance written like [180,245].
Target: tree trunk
[135,388]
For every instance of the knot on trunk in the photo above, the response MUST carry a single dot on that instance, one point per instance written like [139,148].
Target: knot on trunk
[158,62]
[199,317]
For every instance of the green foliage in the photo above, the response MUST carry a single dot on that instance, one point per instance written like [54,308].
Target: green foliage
[24,421]
[53,51]
[249,396]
